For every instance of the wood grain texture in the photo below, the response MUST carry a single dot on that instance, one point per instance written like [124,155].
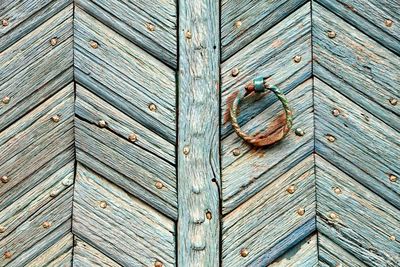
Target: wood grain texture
[365,222]
[126,230]
[330,254]
[131,19]
[304,254]
[262,223]
[130,79]
[248,173]
[370,73]
[198,135]
[86,255]
[255,17]
[369,17]
[270,55]
[365,148]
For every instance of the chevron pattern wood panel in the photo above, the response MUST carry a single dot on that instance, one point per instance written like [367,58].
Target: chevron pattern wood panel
[117,147]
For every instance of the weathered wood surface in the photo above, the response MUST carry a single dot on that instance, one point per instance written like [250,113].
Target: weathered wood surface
[198,134]
[148,24]
[120,226]
[264,224]
[86,255]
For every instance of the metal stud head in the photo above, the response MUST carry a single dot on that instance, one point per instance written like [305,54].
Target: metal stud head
[388,23]
[297,59]
[2,229]
[301,211]
[158,264]
[4,22]
[337,190]
[291,189]
[393,101]
[238,24]
[6,100]
[331,34]
[244,252]
[150,27]
[333,216]
[335,112]
[392,178]
[4,179]
[235,72]
[152,107]
[132,137]
[55,118]
[236,152]
[54,41]
[46,225]
[392,238]
[186,150]
[208,215]
[103,204]
[102,123]
[299,132]
[159,185]
[330,138]
[188,35]
[7,254]
[94,44]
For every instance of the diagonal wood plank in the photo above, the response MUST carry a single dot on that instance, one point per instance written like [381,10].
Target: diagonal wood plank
[86,255]
[100,206]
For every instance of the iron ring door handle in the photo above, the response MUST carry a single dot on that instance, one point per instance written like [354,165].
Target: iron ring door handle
[261,139]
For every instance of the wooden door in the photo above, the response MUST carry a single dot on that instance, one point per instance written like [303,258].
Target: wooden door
[117,146]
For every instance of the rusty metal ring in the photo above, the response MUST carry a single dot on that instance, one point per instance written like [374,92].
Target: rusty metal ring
[258,86]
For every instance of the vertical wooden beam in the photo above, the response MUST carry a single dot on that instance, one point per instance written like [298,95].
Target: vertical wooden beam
[198,137]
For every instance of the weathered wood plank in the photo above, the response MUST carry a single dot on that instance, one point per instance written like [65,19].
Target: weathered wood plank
[355,218]
[91,108]
[22,249]
[363,146]
[86,255]
[246,174]
[270,55]
[24,16]
[59,254]
[133,79]
[125,229]
[354,59]
[331,254]
[141,170]
[135,21]
[370,17]
[198,142]
[264,221]
[303,254]
[243,21]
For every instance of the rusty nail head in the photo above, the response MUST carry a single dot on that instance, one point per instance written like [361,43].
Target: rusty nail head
[331,34]
[2,229]
[6,100]
[159,185]
[244,252]
[393,101]
[238,23]
[297,59]
[235,72]
[208,215]
[337,190]
[102,123]
[330,138]
[54,41]
[388,23]
[236,152]
[188,35]
[392,238]
[7,254]
[335,112]
[299,132]
[333,216]
[103,204]
[291,189]
[150,27]
[186,150]
[152,107]
[132,137]
[5,22]
[301,211]
[54,193]
[5,179]
[158,264]
[94,44]
[46,225]
[55,118]
[392,178]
